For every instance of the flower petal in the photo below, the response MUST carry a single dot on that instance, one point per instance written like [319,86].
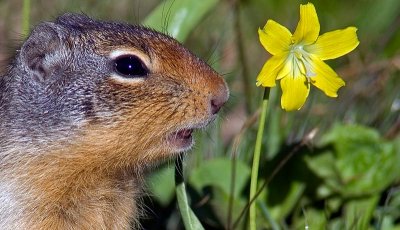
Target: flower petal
[326,78]
[275,38]
[334,44]
[307,30]
[295,91]
[269,71]
[287,67]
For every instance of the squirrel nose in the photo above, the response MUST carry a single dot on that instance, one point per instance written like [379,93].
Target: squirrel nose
[216,105]
[218,100]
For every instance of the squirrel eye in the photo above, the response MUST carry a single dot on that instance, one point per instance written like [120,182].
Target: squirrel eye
[130,66]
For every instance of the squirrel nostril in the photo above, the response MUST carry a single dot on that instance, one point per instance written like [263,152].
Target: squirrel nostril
[215,106]
[219,98]
[217,103]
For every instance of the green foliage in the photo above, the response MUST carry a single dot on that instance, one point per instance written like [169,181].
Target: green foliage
[26,16]
[161,184]
[178,17]
[356,165]
[347,172]
[360,162]
[217,173]
[189,218]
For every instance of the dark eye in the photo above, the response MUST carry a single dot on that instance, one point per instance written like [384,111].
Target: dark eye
[130,66]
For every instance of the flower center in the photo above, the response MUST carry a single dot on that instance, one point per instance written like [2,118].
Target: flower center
[301,61]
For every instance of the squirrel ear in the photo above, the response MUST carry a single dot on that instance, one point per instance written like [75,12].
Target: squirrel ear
[42,52]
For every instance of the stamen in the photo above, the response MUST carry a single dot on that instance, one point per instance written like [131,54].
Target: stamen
[309,67]
[302,61]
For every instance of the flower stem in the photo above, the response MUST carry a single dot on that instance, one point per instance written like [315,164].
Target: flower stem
[256,158]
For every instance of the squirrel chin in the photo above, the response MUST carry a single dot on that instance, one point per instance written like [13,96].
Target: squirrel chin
[181,141]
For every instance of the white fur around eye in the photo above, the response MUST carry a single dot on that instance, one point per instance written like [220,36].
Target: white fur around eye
[120,78]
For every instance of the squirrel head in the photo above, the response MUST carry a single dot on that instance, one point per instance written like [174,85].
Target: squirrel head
[110,90]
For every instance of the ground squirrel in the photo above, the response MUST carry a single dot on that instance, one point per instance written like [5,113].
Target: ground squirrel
[85,107]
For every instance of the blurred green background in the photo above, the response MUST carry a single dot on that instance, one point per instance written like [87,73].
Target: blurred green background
[345,177]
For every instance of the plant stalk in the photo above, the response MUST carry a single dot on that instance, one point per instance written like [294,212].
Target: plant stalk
[256,158]
[26,7]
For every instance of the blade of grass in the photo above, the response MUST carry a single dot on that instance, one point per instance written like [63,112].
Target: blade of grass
[26,10]
[267,215]
[178,17]
[235,148]
[190,220]
[242,57]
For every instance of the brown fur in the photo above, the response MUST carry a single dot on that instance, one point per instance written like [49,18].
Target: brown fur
[75,140]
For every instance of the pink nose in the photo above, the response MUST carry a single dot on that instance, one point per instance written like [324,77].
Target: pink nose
[216,105]
[219,99]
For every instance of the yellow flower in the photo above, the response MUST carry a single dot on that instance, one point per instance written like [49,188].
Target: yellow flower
[298,59]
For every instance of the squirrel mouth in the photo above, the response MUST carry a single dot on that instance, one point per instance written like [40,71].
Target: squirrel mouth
[181,140]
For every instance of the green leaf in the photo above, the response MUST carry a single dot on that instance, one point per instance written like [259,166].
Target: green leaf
[358,212]
[190,220]
[178,17]
[322,165]
[217,172]
[267,215]
[391,208]
[314,219]
[220,204]
[283,209]
[359,162]
[161,185]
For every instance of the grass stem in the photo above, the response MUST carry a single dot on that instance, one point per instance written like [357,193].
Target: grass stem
[26,11]
[256,158]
